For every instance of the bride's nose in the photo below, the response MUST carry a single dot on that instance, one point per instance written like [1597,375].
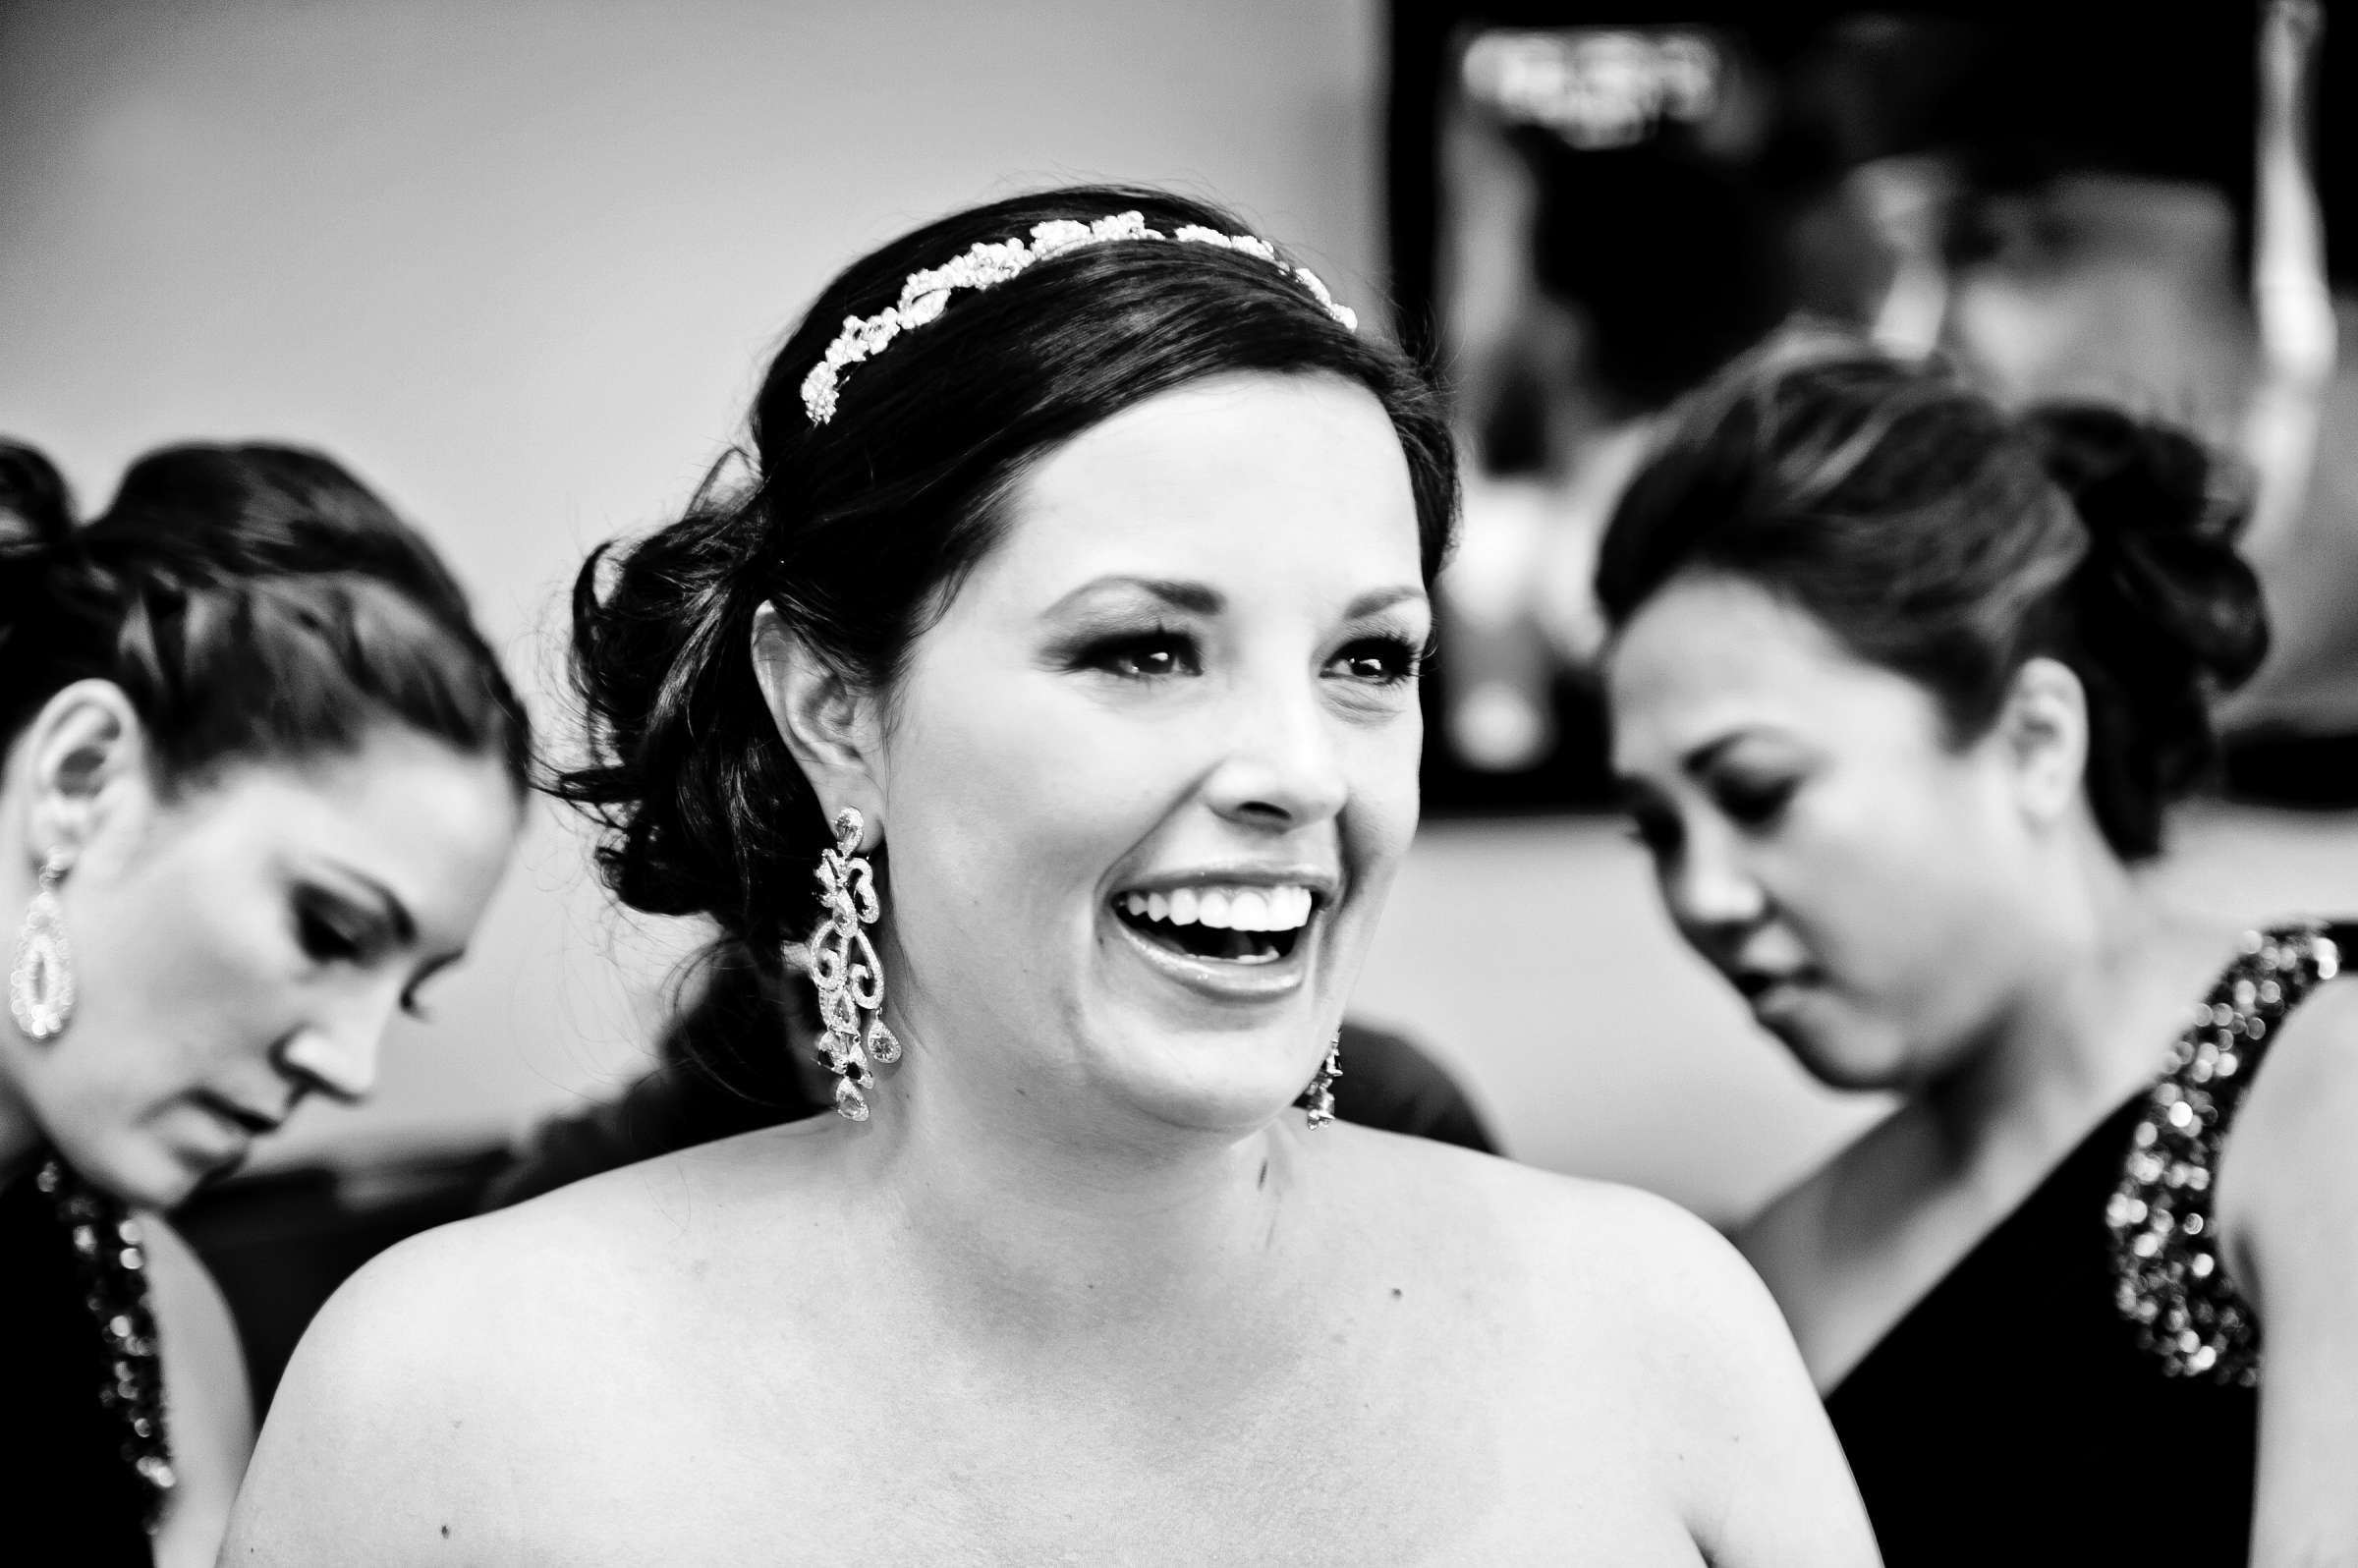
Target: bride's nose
[1283,767]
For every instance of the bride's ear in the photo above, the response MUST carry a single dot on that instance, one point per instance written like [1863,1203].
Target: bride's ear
[829,722]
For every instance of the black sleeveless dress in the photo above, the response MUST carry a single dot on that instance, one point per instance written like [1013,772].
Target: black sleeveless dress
[2082,1387]
[71,1490]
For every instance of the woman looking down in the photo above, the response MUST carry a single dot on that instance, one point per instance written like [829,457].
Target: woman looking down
[261,776]
[1902,685]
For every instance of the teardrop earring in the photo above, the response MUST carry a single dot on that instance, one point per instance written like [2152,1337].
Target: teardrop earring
[1318,1101]
[40,983]
[847,971]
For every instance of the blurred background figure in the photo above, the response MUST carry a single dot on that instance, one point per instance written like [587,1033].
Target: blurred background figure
[1902,687]
[261,774]
[2063,202]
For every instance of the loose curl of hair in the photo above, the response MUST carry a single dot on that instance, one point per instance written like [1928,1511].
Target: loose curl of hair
[861,529]
[253,602]
[1934,534]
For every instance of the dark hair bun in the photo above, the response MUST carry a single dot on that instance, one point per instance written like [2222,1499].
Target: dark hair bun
[2168,614]
[1940,536]
[35,507]
[2163,514]
[223,574]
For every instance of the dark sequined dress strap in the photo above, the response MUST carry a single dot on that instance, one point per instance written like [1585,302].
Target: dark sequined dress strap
[2169,1280]
[110,1256]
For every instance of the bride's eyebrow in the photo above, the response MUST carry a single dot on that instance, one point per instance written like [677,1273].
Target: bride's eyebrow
[1378,599]
[1197,598]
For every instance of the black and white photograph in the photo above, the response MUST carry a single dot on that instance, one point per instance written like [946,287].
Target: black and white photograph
[1178,783]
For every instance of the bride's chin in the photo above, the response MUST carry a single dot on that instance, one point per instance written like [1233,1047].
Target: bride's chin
[1227,1083]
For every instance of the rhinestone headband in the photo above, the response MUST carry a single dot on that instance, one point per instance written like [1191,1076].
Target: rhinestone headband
[993,263]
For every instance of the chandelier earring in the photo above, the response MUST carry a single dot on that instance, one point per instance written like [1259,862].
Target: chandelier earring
[40,983]
[845,969]
[1318,1101]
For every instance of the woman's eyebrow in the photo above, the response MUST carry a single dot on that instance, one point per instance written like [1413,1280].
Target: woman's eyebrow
[1383,598]
[1198,598]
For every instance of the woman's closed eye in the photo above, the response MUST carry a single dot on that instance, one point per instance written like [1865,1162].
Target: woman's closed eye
[326,939]
[332,934]
[1754,802]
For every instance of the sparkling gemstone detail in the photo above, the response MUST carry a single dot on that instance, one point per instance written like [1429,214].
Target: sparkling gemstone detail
[2172,1285]
[112,1275]
[847,972]
[40,983]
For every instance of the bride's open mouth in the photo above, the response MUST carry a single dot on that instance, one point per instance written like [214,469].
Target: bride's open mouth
[1232,924]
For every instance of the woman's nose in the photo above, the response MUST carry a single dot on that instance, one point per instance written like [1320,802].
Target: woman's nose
[1709,889]
[338,1055]
[1283,767]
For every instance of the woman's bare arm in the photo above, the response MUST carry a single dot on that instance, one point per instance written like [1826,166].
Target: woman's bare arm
[208,1405]
[2288,1206]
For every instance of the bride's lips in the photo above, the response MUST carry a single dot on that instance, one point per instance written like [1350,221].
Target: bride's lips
[1264,918]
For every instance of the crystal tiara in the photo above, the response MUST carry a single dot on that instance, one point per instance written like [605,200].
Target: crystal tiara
[993,263]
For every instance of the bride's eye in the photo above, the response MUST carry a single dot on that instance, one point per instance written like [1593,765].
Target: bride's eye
[1378,661]
[1143,656]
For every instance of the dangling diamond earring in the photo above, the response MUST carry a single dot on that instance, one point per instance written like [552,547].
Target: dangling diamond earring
[845,969]
[1318,1101]
[41,983]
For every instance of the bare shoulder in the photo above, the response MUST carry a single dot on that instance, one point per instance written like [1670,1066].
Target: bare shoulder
[409,1376]
[1640,1317]
[556,1272]
[439,1396]
[1612,1258]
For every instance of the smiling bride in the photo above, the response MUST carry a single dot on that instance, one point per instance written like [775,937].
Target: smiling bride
[1047,693]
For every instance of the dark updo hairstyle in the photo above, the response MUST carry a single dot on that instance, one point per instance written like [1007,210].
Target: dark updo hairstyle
[859,530]
[255,603]
[1936,535]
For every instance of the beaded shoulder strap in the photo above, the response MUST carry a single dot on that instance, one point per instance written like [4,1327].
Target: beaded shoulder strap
[110,1262]
[2169,1280]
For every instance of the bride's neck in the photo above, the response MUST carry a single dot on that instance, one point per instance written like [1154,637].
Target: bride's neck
[1054,1221]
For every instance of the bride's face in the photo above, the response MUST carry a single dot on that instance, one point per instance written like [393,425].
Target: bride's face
[1146,783]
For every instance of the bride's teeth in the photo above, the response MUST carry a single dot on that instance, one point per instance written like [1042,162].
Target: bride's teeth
[1239,909]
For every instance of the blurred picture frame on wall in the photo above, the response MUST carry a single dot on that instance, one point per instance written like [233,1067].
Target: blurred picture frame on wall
[1594,209]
